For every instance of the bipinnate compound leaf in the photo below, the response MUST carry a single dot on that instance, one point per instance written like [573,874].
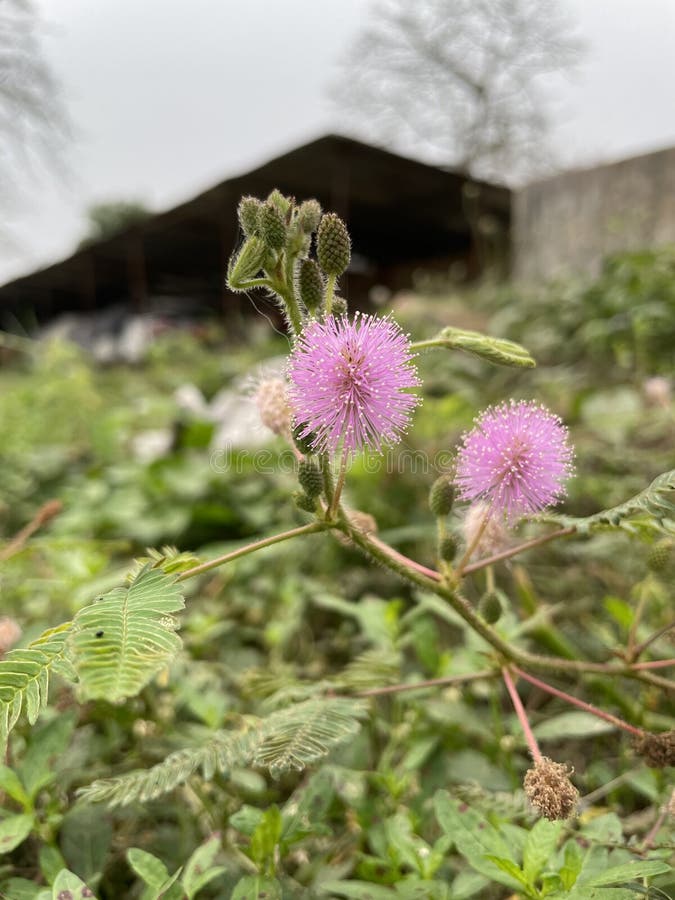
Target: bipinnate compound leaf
[291,738]
[655,507]
[299,735]
[495,350]
[123,639]
[24,678]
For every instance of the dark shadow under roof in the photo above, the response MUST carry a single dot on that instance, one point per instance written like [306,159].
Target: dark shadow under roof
[397,210]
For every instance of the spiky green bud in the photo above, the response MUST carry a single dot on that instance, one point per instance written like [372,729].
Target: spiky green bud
[271,226]
[442,496]
[310,478]
[333,246]
[304,444]
[248,211]
[490,607]
[340,307]
[246,264]
[282,204]
[447,548]
[310,284]
[309,215]
[303,502]
[660,555]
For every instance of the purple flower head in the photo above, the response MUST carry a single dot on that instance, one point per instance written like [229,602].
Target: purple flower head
[516,459]
[348,381]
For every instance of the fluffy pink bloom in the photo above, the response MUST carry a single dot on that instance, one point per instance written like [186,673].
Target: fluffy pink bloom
[516,459]
[348,381]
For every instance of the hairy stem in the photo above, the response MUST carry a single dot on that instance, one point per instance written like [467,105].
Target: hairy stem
[522,716]
[447,681]
[312,528]
[581,704]
[513,551]
[640,649]
[330,292]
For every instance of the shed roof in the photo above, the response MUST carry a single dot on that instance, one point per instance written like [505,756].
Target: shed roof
[397,210]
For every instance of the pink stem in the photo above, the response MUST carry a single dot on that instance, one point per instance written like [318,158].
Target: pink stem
[513,551]
[418,567]
[581,704]
[522,716]
[654,664]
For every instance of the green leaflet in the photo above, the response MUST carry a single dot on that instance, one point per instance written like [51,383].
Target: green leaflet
[291,738]
[495,350]
[123,639]
[24,678]
[657,503]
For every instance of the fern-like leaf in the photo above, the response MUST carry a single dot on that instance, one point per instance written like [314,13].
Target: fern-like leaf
[24,678]
[291,738]
[299,735]
[169,559]
[655,506]
[123,639]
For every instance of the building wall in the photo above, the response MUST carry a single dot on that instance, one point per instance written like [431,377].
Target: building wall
[569,223]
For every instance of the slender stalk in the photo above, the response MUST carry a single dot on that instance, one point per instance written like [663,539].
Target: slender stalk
[513,551]
[640,649]
[335,502]
[312,528]
[46,512]
[400,557]
[581,704]
[653,664]
[330,292]
[656,827]
[522,716]
[429,683]
[474,542]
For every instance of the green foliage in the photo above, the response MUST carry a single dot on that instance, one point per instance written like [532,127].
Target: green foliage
[123,639]
[495,350]
[248,764]
[653,508]
[24,678]
[289,739]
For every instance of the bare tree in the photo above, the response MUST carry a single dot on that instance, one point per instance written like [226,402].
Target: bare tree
[34,124]
[466,79]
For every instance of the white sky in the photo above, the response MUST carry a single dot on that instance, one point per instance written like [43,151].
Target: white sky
[171,96]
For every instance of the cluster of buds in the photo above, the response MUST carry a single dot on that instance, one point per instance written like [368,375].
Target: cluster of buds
[279,237]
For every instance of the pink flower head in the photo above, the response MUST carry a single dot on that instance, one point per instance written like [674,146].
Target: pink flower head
[348,380]
[516,459]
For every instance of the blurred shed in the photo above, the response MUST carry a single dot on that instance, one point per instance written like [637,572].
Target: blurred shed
[403,215]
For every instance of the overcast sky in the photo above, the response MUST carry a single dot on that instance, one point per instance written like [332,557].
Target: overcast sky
[172,96]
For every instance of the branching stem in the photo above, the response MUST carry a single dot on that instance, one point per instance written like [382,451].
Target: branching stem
[312,528]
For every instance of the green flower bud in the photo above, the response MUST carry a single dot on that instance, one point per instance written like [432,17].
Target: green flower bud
[442,496]
[279,202]
[303,502]
[310,284]
[340,307]
[304,444]
[246,263]
[490,607]
[248,211]
[309,215]
[447,548]
[333,247]
[660,555]
[271,226]
[310,478]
